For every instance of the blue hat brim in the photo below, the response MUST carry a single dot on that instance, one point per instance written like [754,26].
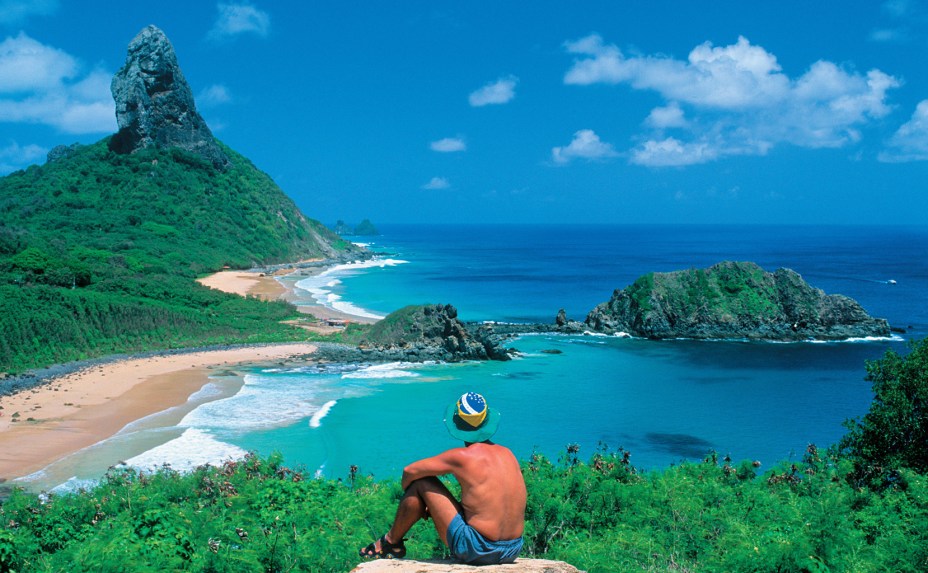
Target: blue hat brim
[464,432]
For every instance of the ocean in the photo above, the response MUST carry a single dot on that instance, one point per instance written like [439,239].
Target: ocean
[663,401]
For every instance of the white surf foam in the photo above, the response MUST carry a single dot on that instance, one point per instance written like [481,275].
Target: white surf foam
[74,484]
[262,402]
[383,371]
[316,420]
[320,287]
[193,448]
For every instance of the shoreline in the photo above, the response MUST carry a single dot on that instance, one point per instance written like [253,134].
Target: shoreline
[69,413]
[76,406]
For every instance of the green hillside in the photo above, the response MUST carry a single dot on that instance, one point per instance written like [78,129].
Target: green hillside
[99,252]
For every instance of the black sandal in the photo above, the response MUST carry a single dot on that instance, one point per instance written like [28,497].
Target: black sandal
[387,550]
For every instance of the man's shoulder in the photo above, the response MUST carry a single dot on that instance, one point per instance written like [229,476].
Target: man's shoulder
[487,449]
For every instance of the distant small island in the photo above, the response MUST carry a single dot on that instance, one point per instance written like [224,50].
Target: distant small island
[363,229]
[732,300]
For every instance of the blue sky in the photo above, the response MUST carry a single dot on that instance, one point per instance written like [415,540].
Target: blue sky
[495,111]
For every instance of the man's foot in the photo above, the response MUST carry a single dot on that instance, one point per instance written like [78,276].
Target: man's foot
[383,549]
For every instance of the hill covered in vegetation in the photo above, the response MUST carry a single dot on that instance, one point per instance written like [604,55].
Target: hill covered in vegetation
[99,247]
[99,252]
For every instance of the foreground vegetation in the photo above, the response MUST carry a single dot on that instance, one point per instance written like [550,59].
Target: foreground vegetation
[99,252]
[860,506]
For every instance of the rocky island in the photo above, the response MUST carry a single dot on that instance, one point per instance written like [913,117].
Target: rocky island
[418,333]
[732,300]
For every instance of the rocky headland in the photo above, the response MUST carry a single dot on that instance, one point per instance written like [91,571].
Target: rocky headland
[732,300]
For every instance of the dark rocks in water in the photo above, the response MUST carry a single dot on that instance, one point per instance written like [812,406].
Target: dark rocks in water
[431,332]
[62,152]
[732,300]
[154,103]
[566,325]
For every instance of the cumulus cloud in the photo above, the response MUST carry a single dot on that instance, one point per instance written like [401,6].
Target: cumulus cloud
[666,117]
[437,183]
[672,152]
[585,145]
[44,85]
[242,18]
[17,11]
[910,142]
[26,64]
[15,156]
[216,94]
[448,145]
[734,99]
[494,93]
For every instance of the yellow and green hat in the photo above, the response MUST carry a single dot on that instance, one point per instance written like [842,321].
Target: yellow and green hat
[470,418]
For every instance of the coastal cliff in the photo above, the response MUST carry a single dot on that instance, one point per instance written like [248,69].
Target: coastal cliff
[732,300]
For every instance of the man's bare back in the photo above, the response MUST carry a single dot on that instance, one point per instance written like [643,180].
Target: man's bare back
[492,490]
[486,525]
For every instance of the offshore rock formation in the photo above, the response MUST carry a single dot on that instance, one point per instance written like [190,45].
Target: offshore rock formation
[433,332]
[412,566]
[154,104]
[421,333]
[732,300]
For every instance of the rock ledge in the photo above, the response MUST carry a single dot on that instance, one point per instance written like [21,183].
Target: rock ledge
[412,566]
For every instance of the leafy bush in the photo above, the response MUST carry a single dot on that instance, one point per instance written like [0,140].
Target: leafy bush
[894,434]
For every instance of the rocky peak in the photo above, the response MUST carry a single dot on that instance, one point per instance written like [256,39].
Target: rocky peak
[154,103]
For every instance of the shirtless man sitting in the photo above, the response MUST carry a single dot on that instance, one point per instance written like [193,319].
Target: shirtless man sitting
[486,526]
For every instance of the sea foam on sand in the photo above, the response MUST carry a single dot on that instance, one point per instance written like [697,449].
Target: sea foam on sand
[193,448]
[321,286]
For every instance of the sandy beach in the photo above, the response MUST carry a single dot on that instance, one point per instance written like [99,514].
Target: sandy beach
[78,410]
[279,285]
[72,412]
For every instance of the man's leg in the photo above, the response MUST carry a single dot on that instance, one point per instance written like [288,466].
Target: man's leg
[425,497]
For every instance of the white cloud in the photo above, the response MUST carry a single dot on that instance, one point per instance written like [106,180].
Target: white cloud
[888,35]
[44,85]
[437,183]
[910,142]
[241,18]
[672,152]
[666,117]
[216,94]
[448,145]
[585,145]
[16,11]
[499,92]
[26,65]
[15,156]
[735,99]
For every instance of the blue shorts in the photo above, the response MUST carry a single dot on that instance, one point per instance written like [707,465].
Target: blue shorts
[468,546]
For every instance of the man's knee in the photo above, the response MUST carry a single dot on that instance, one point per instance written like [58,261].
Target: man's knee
[425,484]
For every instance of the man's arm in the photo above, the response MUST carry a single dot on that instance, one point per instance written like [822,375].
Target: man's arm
[444,463]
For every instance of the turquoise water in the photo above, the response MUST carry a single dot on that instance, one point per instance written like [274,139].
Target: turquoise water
[663,401]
